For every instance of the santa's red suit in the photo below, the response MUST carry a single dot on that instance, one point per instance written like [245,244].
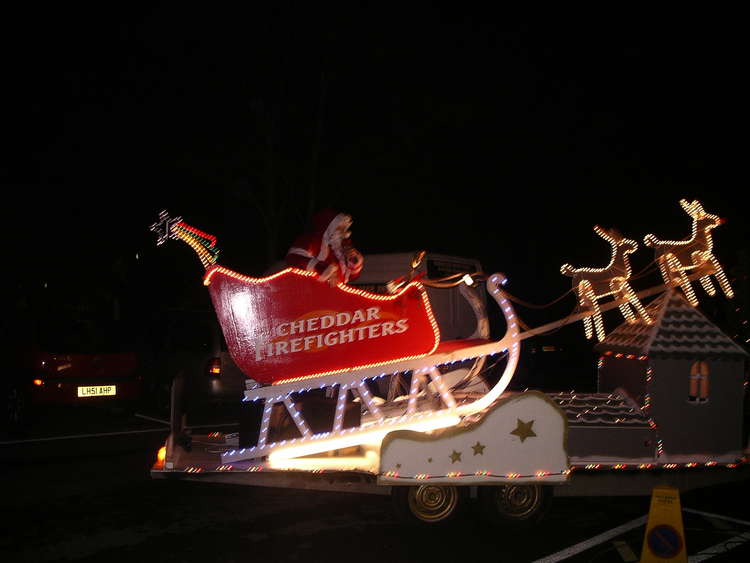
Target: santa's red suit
[327,249]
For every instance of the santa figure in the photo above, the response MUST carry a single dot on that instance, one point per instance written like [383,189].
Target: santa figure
[327,249]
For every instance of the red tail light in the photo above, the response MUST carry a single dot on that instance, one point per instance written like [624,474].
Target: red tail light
[214,367]
[161,455]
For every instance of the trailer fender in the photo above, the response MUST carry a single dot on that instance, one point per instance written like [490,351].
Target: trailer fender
[520,439]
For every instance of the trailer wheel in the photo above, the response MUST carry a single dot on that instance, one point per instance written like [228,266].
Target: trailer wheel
[427,504]
[517,505]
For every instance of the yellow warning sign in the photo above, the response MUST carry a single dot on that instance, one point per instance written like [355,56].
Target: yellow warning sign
[665,536]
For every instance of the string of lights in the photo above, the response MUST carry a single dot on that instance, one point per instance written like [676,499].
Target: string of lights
[203,244]
[541,474]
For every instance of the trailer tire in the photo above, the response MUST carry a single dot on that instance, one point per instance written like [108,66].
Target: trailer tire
[519,506]
[428,504]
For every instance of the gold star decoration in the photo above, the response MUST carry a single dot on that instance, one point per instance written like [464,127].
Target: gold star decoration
[523,430]
[478,448]
[455,456]
[398,466]
[429,460]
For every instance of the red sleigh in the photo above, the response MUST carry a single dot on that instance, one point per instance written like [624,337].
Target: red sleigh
[289,326]
[291,333]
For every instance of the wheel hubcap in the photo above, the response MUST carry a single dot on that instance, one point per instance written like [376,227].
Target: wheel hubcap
[518,501]
[432,503]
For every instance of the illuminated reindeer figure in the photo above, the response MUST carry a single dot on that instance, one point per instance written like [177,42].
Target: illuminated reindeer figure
[591,284]
[695,255]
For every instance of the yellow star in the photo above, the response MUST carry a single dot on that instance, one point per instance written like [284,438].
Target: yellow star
[455,456]
[523,430]
[478,448]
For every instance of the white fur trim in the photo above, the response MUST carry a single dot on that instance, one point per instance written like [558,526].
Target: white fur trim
[300,252]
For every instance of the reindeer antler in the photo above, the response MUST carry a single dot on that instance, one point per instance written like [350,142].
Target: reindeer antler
[692,208]
[602,232]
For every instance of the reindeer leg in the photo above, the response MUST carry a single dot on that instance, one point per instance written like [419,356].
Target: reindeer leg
[617,285]
[708,285]
[627,312]
[588,328]
[598,323]
[702,263]
[682,279]
[582,302]
[721,276]
[665,272]
[636,303]
[597,316]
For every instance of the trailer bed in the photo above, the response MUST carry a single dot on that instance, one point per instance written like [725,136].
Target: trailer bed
[203,463]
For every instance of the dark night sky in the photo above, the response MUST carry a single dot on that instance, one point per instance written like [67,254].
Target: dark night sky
[457,132]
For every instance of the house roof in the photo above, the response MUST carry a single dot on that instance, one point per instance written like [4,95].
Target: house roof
[600,409]
[679,330]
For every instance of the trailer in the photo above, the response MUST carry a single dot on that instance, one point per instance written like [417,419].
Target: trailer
[358,389]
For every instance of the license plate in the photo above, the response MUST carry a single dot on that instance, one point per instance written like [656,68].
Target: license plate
[97,390]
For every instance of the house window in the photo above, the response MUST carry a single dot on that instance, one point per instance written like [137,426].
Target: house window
[699,374]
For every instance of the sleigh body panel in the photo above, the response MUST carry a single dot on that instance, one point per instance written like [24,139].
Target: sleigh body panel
[290,326]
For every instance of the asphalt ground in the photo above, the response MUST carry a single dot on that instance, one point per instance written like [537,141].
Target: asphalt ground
[91,498]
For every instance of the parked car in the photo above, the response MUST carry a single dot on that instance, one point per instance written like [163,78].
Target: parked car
[67,360]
